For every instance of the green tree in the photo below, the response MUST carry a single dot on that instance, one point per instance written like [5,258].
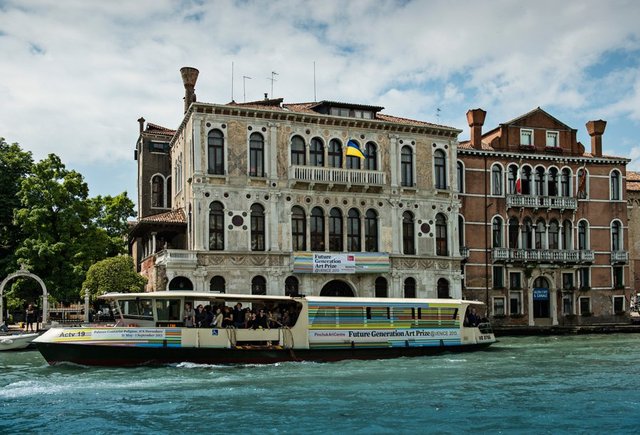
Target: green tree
[115,274]
[112,214]
[15,165]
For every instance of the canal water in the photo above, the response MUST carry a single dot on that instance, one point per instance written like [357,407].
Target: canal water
[536,385]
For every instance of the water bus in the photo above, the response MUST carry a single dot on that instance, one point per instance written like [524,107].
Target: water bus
[151,328]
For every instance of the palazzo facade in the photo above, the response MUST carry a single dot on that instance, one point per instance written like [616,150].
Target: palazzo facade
[266,198]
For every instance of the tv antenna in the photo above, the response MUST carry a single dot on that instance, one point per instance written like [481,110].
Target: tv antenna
[438,114]
[273,79]
[244,92]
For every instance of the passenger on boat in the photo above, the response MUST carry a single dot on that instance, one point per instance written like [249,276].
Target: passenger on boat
[189,316]
[238,316]
[200,316]
[227,319]
[273,318]
[217,320]
[261,320]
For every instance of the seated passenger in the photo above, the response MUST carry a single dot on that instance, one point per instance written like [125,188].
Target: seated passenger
[261,321]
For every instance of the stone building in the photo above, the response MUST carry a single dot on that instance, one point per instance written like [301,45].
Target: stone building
[272,198]
[543,222]
[633,212]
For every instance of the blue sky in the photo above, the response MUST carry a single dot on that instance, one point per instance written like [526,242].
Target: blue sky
[76,75]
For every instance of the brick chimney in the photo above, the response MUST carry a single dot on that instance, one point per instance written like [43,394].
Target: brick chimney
[595,130]
[189,78]
[141,122]
[475,117]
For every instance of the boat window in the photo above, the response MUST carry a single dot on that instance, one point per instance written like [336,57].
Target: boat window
[388,312]
[419,313]
[136,308]
[369,313]
[413,313]
[168,309]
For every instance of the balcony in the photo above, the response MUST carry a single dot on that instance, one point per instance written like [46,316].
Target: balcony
[542,255]
[348,177]
[546,202]
[619,257]
[176,257]
[464,252]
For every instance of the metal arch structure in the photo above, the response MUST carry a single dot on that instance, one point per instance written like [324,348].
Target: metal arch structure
[23,272]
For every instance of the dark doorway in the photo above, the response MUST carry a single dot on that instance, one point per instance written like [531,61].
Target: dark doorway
[541,300]
[337,288]
[180,283]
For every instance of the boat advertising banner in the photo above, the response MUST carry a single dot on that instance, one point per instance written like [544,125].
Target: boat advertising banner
[131,336]
[340,263]
[377,335]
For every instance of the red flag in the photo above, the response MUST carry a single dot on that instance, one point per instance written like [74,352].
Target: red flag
[519,182]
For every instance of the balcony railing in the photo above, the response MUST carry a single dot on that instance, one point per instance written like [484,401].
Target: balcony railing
[314,174]
[548,202]
[619,257]
[171,257]
[542,255]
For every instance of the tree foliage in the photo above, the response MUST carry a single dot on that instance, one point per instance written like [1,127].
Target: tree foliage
[15,164]
[113,274]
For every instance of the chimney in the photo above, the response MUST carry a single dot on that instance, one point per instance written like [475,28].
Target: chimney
[189,78]
[141,122]
[475,118]
[266,96]
[595,130]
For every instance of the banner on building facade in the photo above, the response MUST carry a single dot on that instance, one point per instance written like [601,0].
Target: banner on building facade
[340,263]
[541,294]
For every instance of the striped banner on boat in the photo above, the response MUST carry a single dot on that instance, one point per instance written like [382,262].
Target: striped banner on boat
[366,262]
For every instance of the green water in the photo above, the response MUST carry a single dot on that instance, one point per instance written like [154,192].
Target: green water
[568,384]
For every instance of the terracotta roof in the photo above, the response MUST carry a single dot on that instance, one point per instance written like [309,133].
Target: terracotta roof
[169,217]
[633,181]
[158,129]
[466,145]
[274,103]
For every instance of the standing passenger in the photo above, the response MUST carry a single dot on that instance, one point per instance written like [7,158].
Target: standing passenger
[189,316]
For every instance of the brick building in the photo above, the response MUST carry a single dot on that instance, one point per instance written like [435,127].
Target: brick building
[263,197]
[543,223]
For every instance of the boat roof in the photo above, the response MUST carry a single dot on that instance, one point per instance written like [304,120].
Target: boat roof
[171,294]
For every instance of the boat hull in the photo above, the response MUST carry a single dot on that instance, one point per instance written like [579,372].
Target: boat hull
[100,355]
[16,341]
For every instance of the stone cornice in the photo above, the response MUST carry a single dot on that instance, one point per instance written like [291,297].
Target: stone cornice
[544,157]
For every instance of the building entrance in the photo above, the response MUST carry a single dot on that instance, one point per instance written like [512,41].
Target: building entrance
[541,300]
[337,288]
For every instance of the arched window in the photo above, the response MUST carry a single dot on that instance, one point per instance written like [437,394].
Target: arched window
[406,166]
[216,226]
[552,182]
[157,191]
[298,154]
[441,235]
[440,169]
[258,285]
[371,231]
[582,183]
[371,157]
[353,162]
[335,230]
[298,229]
[615,185]
[317,229]
[527,234]
[541,231]
[316,152]
[353,231]
[512,176]
[381,287]
[497,232]
[291,286]
[216,152]
[460,168]
[217,284]
[256,155]
[567,235]
[525,181]
[335,153]
[539,180]
[514,229]
[496,180]
[410,288]
[460,232]
[443,289]
[554,235]
[583,235]
[565,183]
[616,240]
[168,182]
[257,228]
[408,244]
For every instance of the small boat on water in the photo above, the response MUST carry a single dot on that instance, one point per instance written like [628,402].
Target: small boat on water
[151,328]
[16,341]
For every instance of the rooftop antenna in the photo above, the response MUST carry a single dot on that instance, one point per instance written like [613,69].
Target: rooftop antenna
[273,79]
[244,93]
[315,98]
[231,81]
[438,114]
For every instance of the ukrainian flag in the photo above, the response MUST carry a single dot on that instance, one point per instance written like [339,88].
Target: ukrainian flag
[353,149]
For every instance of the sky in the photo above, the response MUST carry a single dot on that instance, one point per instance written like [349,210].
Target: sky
[75,75]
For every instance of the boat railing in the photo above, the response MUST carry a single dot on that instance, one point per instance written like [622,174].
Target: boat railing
[485,328]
